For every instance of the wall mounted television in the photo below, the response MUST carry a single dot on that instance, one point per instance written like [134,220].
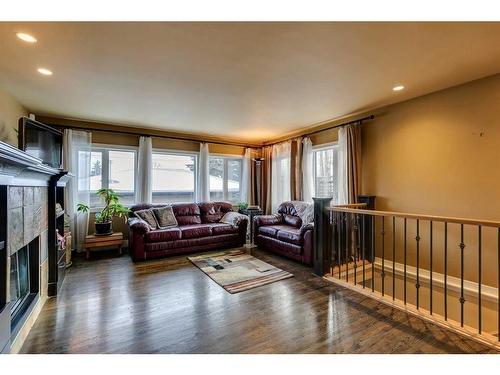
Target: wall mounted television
[41,141]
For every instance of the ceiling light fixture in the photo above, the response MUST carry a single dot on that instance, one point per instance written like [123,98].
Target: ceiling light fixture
[44,71]
[398,88]
[26,37]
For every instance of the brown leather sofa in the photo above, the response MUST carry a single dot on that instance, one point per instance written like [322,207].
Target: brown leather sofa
[284,234]
[199,229]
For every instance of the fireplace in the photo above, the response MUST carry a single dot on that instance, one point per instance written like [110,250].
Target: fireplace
[24,279]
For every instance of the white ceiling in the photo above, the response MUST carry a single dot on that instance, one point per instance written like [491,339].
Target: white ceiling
[244,81]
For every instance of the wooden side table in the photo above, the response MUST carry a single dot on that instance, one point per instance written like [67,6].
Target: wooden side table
[93,242]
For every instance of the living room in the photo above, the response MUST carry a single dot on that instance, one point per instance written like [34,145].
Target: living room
[249,187]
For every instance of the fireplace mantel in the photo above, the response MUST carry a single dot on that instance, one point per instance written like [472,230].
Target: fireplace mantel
[21,169]
[27,188]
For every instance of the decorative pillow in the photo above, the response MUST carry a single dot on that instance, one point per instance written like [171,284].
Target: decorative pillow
[148,216]
[233,218]
[165,217]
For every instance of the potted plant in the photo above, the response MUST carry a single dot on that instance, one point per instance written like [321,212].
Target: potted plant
[112,208]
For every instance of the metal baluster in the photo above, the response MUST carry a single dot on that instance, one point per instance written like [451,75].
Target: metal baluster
[363,247]
[356,227]
[445,271]
[462,299]
[417,285]
[430,268]
[347,235]
[382,275]
[404,272]
[333,239]
[373,255]
[393,258]
[479,280]
[340,223]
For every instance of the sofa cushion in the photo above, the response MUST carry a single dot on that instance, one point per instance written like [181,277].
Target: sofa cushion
[163,235]
[195,231]
[294,221]
[221,228]
[290,235]
[147,216]
[165,217]
[212,212]
[187,213]
[269,231]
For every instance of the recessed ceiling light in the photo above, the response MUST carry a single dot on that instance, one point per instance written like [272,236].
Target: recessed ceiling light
[44,71]
[26,37]
[398,88]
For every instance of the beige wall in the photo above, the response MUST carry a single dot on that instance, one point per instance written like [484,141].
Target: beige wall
[10,111]
[438,154]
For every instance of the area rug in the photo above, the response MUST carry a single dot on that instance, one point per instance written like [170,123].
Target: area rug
[236,270]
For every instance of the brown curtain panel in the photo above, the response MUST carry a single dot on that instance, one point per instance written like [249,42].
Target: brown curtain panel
[353,134]
[265,185]
[296,170]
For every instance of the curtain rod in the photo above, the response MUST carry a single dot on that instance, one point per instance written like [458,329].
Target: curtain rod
[179,138]
[370,117]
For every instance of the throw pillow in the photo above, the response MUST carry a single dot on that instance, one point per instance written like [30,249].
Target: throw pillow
[233,218]
[148,216]
[165,217]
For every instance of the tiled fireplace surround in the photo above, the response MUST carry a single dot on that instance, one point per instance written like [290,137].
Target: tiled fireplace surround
[25,182]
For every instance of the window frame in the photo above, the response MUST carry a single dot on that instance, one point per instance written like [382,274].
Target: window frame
[165,151]
[104,148]
[322,147]
[225,190]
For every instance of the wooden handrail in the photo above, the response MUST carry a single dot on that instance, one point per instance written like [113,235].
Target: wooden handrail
[445,219]
[350,205]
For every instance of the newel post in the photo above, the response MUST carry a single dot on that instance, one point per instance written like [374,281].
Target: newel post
[322,250]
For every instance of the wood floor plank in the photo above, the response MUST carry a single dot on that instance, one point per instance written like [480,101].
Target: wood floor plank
[111,305]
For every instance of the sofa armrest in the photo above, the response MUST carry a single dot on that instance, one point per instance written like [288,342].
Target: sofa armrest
[138,225]
[262,220]
[305,228]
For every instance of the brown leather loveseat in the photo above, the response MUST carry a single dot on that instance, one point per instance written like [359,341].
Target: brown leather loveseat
[284,233]
[199,229]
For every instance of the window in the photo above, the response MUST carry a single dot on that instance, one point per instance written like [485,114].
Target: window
[225,179]
[325,172]
[112,168]
[174,177]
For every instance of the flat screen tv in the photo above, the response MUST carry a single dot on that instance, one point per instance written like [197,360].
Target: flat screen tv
[41,141]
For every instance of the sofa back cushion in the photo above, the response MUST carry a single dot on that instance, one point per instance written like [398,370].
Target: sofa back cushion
[165,217]
[290,216]
[186,213]
[212,212]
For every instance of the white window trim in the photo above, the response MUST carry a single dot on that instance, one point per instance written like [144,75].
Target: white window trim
[225,191]
[166,151]
[100,147]
[322,147]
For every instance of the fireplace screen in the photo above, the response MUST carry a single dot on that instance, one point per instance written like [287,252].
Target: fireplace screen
[19,278]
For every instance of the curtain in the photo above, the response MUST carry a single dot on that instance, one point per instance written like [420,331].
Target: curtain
[254,192]
[280,176]
[203,191]
[343,195]
[353,139]
[307,170]
[144,183]
[296,170]
[76,160]
[246,181]
[265,188]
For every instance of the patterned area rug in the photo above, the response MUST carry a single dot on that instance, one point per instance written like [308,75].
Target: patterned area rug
[236,270]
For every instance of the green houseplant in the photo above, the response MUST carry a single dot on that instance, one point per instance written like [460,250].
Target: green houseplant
[112,208]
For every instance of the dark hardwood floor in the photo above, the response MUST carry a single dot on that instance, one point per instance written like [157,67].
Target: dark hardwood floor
[111,305]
